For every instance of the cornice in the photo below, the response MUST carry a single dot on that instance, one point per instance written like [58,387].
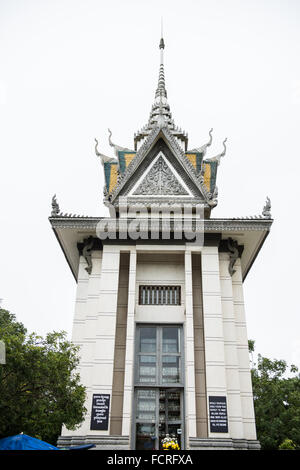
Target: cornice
[68,221]
[209,225]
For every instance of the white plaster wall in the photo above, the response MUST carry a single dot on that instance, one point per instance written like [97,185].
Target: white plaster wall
[190,389]
[235,419]
[129,358]
[95,326]
[84,329]
[161,269]
[216,383]
[243,355]
[225,335]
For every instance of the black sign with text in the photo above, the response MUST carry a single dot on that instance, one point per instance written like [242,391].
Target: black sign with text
[100,412]
[218,414]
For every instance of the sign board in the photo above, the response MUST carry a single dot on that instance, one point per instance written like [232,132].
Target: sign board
[218,414]
[100,412]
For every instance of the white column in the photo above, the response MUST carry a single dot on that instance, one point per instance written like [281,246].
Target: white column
[80,302]
[129,358]
[85,329]
[234,405]
[104,332]
[87,326]
[213,328]
[243,355]
[190,394]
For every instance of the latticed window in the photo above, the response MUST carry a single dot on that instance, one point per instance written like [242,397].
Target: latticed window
[160,295]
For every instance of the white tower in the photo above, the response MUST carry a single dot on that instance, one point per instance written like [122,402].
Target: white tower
[159,313]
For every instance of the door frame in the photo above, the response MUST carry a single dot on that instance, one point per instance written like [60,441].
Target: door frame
[137,386]
[156,421]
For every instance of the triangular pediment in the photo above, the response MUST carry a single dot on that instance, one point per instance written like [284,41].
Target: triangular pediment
[176,176]
[161,179]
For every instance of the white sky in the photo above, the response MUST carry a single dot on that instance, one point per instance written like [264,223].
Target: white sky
[69,69]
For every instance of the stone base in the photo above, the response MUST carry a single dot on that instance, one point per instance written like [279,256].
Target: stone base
[122,443]
[223,444]
[101,442]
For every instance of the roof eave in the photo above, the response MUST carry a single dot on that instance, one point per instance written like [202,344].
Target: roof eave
[85,226]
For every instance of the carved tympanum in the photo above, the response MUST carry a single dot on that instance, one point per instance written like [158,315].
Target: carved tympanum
[160,181]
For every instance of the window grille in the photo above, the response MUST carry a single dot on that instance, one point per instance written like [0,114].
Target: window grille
[160,295]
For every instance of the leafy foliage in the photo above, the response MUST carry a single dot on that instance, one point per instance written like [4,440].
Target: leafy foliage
[276,391]
[287,444]
[39,388]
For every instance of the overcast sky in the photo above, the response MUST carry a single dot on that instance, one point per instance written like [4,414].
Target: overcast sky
[69,69]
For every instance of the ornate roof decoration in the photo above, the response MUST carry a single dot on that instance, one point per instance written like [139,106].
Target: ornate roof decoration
[205,168]
[160,113]
[116,148]
[203,148]
[266,213]
[211,225]
[55,207]
[267,209]
[218,157]
[161,91]
[160,180]
[103,158]
[124,169]
[56,212]
[250,217]
[184,162]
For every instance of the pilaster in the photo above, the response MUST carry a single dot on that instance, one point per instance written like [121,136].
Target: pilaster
[105,325]
[235,419]
[84,328]
[129,360]
[191,428]
[213,328]
[243,355]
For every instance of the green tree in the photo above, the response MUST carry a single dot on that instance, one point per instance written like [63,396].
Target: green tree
[276,392]
[39,387]
[287,444]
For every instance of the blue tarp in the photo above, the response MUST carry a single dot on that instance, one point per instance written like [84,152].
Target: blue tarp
[24,442]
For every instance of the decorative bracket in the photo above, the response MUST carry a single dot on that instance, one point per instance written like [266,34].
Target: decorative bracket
[235,251]
[88,244]
[232,246]
[85,249]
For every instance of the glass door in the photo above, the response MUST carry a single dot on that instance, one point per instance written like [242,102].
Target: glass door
[146,412]
[159,385]
[158,413]
[170,416]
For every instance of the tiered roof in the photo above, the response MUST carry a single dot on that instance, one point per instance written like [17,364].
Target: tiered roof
[161,154]
[203,170]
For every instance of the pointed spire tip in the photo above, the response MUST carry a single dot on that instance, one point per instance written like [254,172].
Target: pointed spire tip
[162,42]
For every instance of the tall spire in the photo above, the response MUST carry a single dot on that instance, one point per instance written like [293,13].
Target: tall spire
[160,115]
[161,91]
